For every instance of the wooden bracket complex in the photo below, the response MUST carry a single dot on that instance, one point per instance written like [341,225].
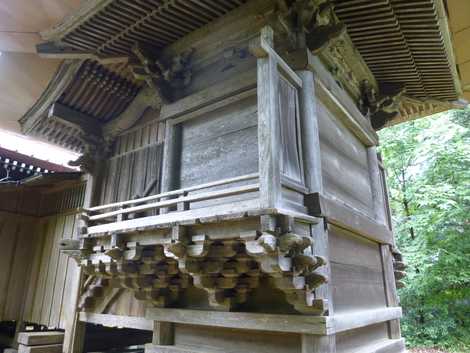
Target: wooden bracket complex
[161,76]
[310,24]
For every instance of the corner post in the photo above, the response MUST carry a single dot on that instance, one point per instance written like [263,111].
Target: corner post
[268,120]
[301,63]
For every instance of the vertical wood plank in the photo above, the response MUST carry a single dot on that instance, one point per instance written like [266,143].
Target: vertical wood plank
[35,264]
[390,288]
[376,185]
[313,172]
[163,333]
[57,301]
[43,272]
[8,239]
[70,267]
[52,270]
[20,270]
[268,126]
[170,155]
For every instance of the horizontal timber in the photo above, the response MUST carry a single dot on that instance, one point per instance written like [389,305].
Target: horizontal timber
[220,213]
[316,325]
[138,323]
[243,83]
[344,216]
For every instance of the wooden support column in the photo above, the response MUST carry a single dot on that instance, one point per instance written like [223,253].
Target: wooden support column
[314,182]
[170,164]
[74,328]
[163,333]
[268,120]
[163,337]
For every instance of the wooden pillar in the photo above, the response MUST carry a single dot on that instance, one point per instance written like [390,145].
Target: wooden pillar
[170,161]
[268,121]
[74,328]
[314,182]
[163,335]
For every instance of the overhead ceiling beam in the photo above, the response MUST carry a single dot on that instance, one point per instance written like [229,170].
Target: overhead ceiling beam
[51,50]
[75,119]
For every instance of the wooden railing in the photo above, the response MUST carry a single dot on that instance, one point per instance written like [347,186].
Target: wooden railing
[179,199]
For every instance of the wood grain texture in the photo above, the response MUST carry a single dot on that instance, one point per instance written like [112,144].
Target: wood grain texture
[356,272]
[40,338]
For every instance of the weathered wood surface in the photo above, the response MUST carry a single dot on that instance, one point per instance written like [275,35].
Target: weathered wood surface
[17,246]
[50,348]
[344,216]
[110,320]
[247,321]
[344,165]
[134,164]
[40,338]
[356,272]
[220,144]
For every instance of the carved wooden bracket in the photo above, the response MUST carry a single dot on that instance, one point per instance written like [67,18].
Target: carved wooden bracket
[381,106]
[95,152]
[162,76]
[228,269]
[310,24]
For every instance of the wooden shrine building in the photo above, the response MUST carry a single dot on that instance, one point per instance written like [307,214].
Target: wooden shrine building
[232,199]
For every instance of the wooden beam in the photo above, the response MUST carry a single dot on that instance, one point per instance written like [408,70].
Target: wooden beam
[40,338]
[210,96]
[145,99]
[344,216]
[138,323]
[319,325]
[75,119]
[50,348]
[51,50]
[361,318]
[304,324]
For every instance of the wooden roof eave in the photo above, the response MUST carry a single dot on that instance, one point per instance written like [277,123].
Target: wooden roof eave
[74,20]
[445,30]
[63,77]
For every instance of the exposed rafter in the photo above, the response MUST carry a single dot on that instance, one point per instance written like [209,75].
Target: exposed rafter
[402,42]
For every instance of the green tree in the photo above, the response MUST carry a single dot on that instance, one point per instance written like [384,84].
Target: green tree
[428,167]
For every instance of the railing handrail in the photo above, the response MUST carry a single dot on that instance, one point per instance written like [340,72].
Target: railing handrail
[178,192]
[173,202]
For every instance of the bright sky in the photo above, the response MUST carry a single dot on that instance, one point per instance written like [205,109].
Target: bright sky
[32,147]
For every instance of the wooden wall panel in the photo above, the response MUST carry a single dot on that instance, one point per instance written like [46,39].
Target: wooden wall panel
[356,272]
[221,144]
[356,340]
[47,288]
[134,164]
[17,242]
[344,163]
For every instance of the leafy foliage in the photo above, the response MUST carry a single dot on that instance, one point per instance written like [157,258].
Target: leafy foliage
[428,167]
